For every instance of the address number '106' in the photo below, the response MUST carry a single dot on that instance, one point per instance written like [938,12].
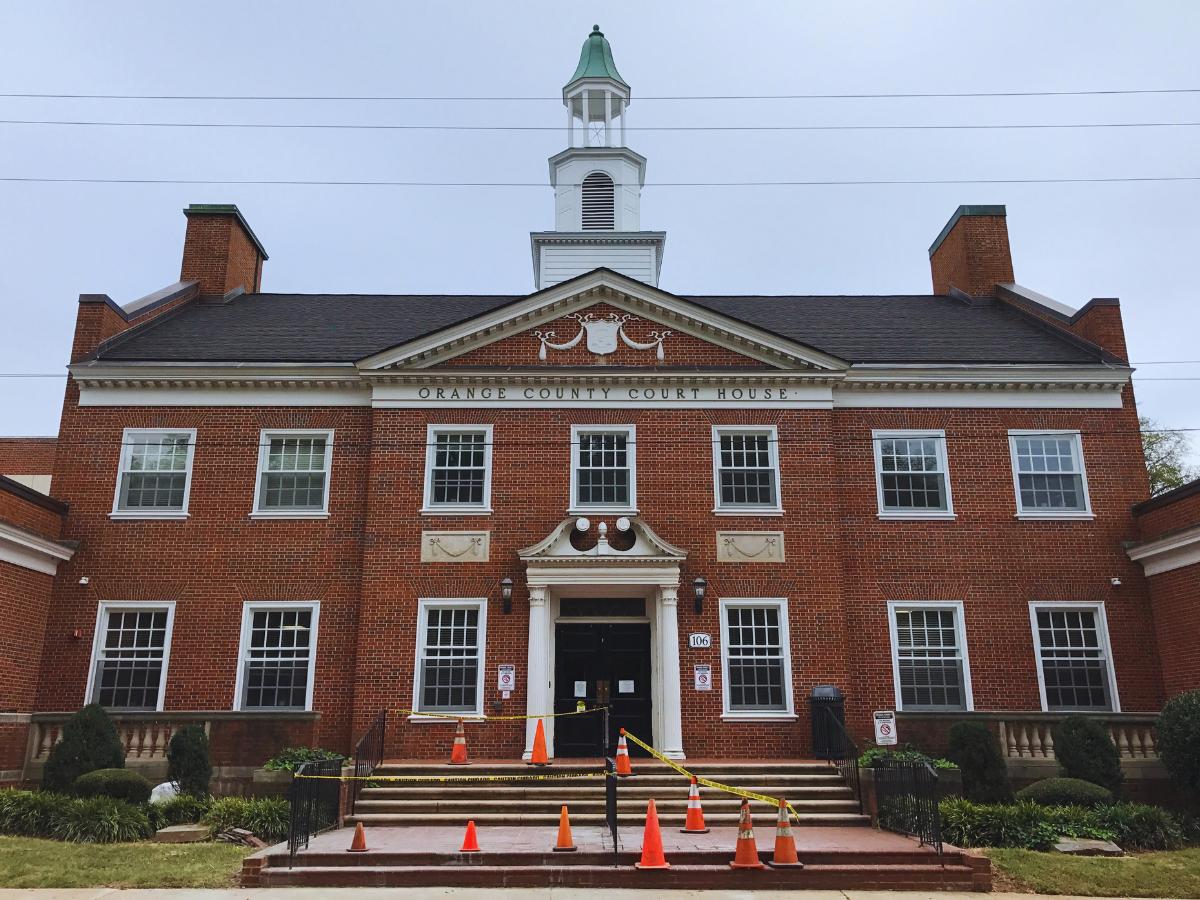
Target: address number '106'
[699,641]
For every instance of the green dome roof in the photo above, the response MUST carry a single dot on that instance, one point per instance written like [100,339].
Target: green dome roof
[596,60]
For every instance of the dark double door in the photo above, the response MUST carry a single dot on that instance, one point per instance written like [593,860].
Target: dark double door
[603,664]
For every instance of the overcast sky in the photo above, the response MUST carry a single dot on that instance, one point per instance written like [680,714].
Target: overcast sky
[1136,241]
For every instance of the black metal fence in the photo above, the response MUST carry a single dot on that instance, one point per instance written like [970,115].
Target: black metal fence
[315,802]
[906,797]
[368,754]
[837,748]
[610,803]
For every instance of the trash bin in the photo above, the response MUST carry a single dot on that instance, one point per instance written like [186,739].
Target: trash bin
[827,710]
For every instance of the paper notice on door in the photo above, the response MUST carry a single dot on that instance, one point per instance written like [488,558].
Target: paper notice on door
[581,689]
[624,687]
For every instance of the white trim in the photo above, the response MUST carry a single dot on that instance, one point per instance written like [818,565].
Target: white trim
[249,607]
[1086,512]
[785,637]
[575,508]
[103,608]
[264,446]
[773,509]
[428,507]
[1167,553]
[960,623]
[123,461]
[425,604]
[1102,630]
[939,436]
[31,551]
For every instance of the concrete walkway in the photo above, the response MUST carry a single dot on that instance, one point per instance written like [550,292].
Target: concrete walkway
[481,894]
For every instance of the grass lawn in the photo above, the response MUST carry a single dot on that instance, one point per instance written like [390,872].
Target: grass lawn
[34,863]
[1174,873]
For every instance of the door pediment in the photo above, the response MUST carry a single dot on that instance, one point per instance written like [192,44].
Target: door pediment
[581,542]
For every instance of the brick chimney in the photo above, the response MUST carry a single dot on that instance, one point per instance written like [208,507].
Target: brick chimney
[971,253]
[220,251]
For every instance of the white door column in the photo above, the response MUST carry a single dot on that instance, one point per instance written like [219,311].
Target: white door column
[538,696]
[671,740]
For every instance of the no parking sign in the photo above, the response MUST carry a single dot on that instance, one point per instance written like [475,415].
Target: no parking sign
[885,727]
[506,679]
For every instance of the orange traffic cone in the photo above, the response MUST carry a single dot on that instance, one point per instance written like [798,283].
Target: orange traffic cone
[746,853]
[652,848]
[565,841]
[458,753]
[623,766]
[359,844]
[538,757]
[470,842]
[695,814]
[785,844]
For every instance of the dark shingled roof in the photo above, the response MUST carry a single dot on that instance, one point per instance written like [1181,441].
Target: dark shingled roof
[348,327]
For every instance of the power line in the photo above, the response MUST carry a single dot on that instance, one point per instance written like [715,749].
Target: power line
[558,98]
[368,126]
[293,182]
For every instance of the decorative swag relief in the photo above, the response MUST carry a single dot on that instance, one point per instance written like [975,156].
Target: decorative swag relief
[455,546]
[750,546]
[602,336]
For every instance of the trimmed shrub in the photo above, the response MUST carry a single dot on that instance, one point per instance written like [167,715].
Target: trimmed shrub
[100,820]
[1085,751]
[29,813]
[89,742]
[120,784]
[975,750]
[182,810]
[1065,792]
[1136,826]
[874,757]
[266,817]
[1178,736]
[290,758]
[188,761]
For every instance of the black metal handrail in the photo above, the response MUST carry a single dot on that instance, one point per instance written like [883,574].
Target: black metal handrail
[906,797]
[314,802]
[840,750]
[368,754]
[610,804]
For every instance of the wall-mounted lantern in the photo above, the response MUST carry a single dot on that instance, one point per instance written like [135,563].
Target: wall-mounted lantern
[700,585]
[506,594]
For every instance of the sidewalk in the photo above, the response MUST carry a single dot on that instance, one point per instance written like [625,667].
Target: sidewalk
[481,894]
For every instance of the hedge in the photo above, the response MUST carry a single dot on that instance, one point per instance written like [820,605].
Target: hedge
[120,784]
[99,820]
[1031,826]
[266,817]
[1065,792]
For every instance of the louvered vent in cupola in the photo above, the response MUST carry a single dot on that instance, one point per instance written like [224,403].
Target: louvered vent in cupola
[598,202]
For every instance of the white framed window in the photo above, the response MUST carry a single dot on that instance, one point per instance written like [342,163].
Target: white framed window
[912,477]
[130,653]
[449,663]
[930,666]
[1075,672]
[756,665]
[294,468]
[277,655]
[603,468]
[746,469]
[154,476]
[458,470]
[1048,475]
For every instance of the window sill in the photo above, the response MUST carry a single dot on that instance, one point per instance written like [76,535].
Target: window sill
[897,516]
[419,719]
[602,510]
[456,511]
[1055,516]
[759,717]
[273,711]
[289,515]
[150,517]
[749,511]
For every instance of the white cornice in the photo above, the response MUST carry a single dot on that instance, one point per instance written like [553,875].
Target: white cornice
[31,551]
[1168,553]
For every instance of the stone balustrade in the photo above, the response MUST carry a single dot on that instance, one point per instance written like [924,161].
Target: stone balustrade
[145,736]
[1031,735]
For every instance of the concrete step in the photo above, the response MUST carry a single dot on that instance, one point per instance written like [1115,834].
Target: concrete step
[468,806]
[634,816]
[640,766]
[566,794]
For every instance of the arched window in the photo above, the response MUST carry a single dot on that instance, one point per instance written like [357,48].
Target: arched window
[598,214]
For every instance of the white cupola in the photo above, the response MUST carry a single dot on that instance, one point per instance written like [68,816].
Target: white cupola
[597,182]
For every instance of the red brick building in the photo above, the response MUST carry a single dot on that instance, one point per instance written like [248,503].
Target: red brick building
[295,510]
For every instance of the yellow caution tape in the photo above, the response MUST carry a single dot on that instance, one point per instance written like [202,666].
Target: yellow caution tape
[467,717]
[708,782]
[550,776]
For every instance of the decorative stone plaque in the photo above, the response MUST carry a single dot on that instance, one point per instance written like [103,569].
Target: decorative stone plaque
[750,546]
[455,546]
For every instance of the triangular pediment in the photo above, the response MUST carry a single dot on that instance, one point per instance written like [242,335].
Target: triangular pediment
[602,318]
